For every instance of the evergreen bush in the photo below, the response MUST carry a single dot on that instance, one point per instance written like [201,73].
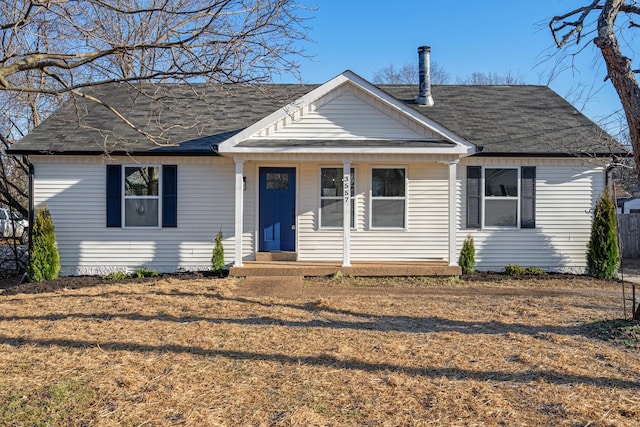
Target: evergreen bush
[217,260]
[603,256]
[143,272]
[467,259]
[534,271]
[515,270]
[44,260]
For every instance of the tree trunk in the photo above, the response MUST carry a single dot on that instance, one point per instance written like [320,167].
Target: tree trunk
[619,71]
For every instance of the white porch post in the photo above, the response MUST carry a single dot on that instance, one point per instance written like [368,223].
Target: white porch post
[346,223]
[452,212]
[239,215]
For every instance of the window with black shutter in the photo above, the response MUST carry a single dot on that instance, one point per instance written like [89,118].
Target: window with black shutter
[495,198]
[142,196]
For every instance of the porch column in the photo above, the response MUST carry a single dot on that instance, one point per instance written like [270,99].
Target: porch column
[452,212]
[239,215]
[346,223]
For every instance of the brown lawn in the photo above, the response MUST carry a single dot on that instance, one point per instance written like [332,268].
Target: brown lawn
[196,352]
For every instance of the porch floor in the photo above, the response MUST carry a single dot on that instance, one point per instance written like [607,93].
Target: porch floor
[322,268]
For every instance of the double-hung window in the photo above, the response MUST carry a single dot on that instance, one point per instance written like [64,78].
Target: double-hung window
[142,196]
[388,197]
[332,198]
[501,197]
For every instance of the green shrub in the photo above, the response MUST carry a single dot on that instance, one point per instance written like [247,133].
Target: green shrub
[143,272]
[116,275]
[467,259]
[515,270]
[534,271]
[603,256]
[217,259]
[44,260]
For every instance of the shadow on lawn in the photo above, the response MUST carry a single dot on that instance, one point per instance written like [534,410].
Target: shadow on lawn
[528,376]
[360,321]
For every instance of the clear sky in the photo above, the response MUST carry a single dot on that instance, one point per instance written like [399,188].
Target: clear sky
[466,36]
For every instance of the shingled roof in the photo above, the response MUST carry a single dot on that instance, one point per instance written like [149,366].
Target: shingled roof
[190,119]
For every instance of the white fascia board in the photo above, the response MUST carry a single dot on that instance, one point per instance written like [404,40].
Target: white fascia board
[459,151]
[229,145]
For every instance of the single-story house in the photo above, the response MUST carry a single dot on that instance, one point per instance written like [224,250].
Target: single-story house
[344,171]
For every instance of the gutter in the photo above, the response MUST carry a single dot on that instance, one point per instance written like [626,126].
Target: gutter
[203,153]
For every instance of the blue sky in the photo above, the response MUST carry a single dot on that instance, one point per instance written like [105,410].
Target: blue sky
[504,36]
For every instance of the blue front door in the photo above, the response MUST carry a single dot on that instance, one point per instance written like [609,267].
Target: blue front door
[277,209]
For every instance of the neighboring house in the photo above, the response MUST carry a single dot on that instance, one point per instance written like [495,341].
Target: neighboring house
[345,171]
[628,205]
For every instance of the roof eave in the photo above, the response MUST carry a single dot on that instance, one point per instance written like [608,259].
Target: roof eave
[199,153]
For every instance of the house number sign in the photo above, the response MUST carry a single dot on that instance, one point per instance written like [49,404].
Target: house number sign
[346,183]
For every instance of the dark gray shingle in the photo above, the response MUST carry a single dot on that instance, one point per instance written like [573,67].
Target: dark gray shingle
[503,120]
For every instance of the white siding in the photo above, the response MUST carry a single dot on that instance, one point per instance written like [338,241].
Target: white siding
[87,246]
[566,191]
[74,188]
[426,235]
[345,114]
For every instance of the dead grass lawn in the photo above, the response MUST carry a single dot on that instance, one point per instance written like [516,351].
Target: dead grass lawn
[191,352]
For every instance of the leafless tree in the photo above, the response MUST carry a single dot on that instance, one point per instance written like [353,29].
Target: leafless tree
[604,22]
[52,49]
[408,74]
[495,78]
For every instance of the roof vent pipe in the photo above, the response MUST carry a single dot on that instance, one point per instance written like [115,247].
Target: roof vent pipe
[424,94]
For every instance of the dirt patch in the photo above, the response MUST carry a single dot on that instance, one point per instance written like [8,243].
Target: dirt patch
[13,285]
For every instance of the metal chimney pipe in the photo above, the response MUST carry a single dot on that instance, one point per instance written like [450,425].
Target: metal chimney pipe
[424,69]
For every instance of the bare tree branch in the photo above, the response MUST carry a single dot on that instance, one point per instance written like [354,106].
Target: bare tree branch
[50,50]
[619,66]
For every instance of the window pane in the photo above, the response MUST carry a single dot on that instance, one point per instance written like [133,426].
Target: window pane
[332,210]
[501,182]
[387,213]
[332,213]
[141,181]
[500,213]
[141,212]
[387,182]
[331,182]
[277,181]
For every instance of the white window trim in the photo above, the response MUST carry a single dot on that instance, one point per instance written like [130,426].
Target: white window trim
[405,198]
[353,199]
[125,197]
[483,197]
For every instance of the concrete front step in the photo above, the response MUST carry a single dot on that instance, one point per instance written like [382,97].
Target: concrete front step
[276,256]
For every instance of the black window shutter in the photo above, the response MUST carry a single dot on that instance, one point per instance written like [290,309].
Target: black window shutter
[114,196]
[528,197]
[473,196]
[170,196]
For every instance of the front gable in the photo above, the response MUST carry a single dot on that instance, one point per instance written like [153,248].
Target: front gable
[347,114]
